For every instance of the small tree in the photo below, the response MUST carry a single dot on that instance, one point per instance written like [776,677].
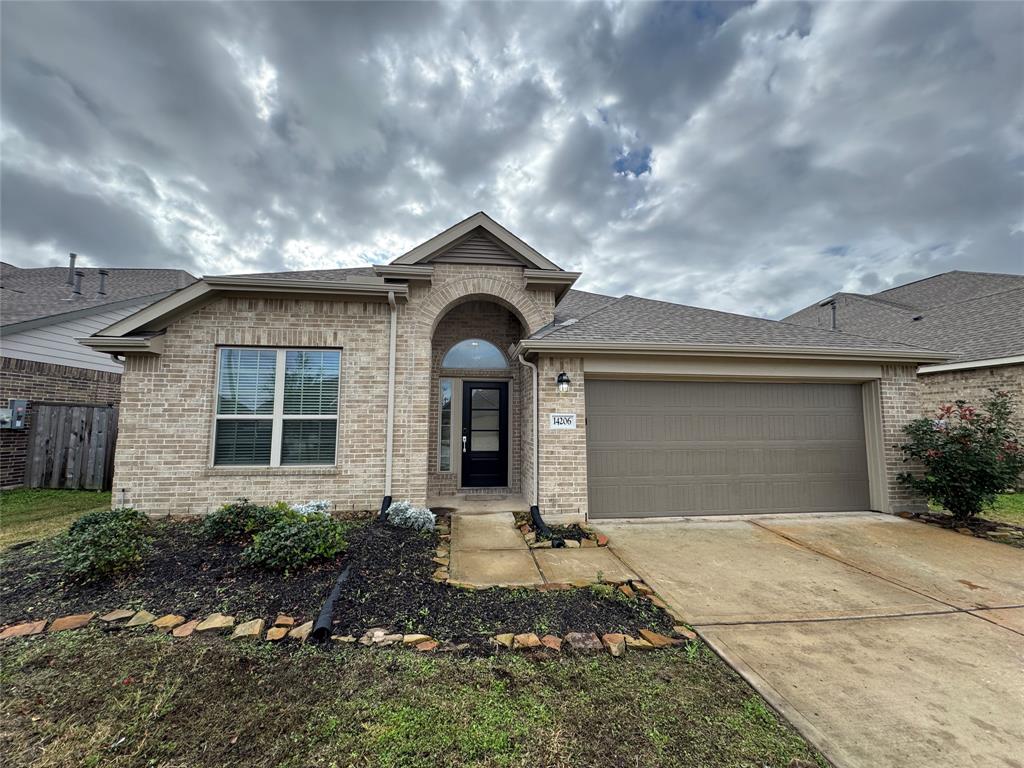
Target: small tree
[969,454]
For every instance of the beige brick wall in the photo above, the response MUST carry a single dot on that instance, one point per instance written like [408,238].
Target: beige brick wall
[900,392]
[164,445]
[972,385]
[563,452]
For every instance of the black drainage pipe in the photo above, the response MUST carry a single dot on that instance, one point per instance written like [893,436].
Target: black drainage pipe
[542,528]
[322,628]
[385,504]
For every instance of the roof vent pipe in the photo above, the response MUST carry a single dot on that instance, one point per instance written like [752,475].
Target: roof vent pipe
[71,269]
[102,290]
[77,289]
[831,304]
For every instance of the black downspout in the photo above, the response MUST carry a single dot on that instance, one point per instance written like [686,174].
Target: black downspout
[538,522]
[322,628]
[385,505]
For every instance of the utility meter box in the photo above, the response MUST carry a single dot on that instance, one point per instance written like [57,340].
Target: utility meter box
[13,417]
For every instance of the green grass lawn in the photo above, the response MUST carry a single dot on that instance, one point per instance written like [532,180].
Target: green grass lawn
[90,698]
[30,514]
[1009,508]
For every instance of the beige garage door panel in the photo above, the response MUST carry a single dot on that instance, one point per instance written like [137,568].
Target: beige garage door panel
[658,448]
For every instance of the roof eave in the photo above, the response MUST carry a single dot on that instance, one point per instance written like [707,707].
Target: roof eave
[409,272]
[152,344]
[544,278]
[731,350]
[966,365]
[82,311]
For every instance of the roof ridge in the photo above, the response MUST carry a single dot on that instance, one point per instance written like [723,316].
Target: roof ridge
[976,298]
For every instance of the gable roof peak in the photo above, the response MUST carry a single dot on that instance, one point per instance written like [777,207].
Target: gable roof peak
[473,225]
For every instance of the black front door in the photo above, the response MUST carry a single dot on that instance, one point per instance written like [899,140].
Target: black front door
[484,434]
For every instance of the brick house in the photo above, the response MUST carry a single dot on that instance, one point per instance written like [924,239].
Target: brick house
[976,318]
[469,365]
[42,313]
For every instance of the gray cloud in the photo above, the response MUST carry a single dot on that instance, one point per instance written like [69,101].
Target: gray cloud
[745,157]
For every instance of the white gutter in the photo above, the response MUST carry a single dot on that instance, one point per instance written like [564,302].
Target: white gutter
[991,362]
[389,450]
[536,421]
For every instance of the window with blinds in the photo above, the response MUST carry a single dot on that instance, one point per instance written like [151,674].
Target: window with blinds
[276,407]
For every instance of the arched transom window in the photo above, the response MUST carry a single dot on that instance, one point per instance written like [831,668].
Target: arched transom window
[474,353]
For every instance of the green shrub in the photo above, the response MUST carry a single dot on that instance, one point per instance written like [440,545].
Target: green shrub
[240,520]
[295,541]
[969,455]
[102,544]
[405,514]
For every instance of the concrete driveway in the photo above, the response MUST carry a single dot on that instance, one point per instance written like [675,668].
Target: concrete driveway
[886,642]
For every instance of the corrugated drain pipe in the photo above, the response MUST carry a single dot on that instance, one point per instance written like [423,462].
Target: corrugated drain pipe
[389,440]
[538,521]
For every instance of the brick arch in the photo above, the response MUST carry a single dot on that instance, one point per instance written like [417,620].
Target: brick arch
[504,292]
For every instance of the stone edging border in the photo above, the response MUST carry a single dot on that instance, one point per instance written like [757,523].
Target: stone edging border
[377,637]
[1004,533]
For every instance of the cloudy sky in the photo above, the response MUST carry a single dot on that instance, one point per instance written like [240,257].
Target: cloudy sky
[750,158]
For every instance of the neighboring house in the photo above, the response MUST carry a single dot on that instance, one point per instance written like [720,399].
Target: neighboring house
[977,318]
[468,365]
[42,313]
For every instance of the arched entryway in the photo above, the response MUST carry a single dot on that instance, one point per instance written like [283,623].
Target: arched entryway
[475,401]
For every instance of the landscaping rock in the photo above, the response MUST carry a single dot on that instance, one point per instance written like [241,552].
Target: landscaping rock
[524,529]
[441,574]
[284,621]
[572,544]
[627,590]
[525,640]
[250,630]
[686,632]
[119,615]
[581,583]
[638,644]
[441,551]
[25,629]
[552,642]
[541,544]
[443,561]
[642,588]
[658,641]
[505,639]
[554,586]
[168,622]
[602,540]
[185,629]
[389,640]
[343,639]
[301,632]
[588,543]
[583,642]
[141,619]
[278,633]
[414,639]
[615,643]
[75,621]
[215,622]
[373,635]
[427,646]
[657,602]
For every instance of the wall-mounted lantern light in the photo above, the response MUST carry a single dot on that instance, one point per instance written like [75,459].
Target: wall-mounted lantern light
[563,382]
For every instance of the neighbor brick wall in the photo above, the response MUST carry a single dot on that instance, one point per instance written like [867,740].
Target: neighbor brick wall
[31,380]
[900,392]
[563,452]
[973,385]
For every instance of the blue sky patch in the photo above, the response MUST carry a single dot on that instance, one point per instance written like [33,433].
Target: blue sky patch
[634,161]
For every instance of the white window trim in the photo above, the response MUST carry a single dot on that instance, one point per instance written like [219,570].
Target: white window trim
[278,417]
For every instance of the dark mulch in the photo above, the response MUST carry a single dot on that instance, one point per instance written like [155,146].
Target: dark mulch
[184,573]
[979,526]
[390,587]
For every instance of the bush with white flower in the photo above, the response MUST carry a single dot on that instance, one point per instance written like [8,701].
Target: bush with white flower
[405,514]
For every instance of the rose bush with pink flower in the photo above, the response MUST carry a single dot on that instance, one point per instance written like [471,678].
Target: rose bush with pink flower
[968,454]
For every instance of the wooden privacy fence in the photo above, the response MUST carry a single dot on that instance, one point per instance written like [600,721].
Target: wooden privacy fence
[71,446]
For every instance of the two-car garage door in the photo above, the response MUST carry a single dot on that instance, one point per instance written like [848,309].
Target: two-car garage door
[660,448]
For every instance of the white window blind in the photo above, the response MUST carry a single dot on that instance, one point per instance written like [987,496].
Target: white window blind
[276,407]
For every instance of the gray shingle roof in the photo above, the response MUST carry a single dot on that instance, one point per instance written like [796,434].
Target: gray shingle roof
[645,321]
[576,304]
[34,294]
[317,274]
[981,316]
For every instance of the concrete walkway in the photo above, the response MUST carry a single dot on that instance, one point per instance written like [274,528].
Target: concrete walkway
[488,550]
[886,642]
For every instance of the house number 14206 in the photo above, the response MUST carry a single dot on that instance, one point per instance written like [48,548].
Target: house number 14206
[563,420]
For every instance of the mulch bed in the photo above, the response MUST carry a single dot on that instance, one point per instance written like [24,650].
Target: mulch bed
[184,573]
[980,527]
[391,587]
